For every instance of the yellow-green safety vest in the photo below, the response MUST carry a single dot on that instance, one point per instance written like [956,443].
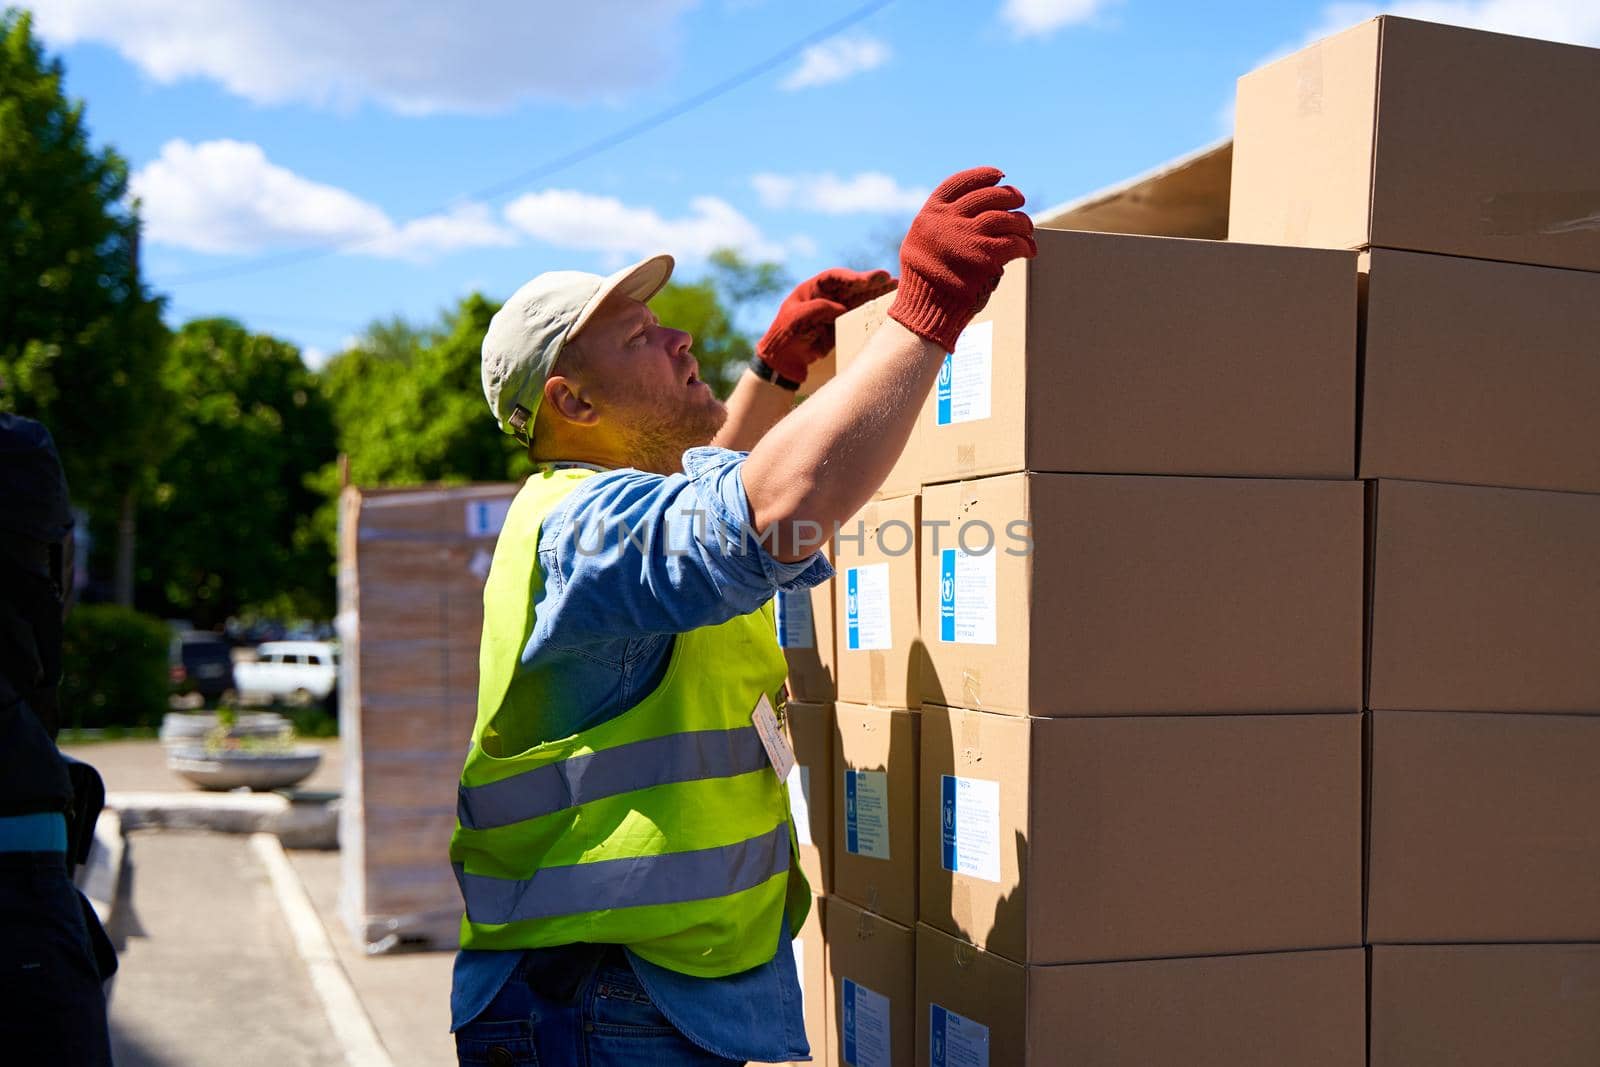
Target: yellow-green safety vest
[664,829]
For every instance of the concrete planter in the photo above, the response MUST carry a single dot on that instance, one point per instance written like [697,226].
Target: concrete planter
[184,729]
[259,771]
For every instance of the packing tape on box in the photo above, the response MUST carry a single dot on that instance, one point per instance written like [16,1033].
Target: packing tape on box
[972,687]
[866,929]
[969,497]
[971,750]
[1517,214]
[964,954]
[966,457]
[878,677]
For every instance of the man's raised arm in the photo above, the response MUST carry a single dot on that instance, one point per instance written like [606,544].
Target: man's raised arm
[820,464]
[801,334]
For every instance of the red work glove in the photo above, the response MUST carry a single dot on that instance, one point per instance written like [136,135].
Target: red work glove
[951,259]
[802,332]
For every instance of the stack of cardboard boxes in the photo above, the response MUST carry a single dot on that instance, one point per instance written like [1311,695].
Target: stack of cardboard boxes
[1137,664]
[1108,785]
[805,631]
[1463,165]
[412,563]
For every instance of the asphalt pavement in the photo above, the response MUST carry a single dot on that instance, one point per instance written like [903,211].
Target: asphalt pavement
[211,969]
[208,973]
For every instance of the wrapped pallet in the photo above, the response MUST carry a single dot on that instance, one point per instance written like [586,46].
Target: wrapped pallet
[412,564]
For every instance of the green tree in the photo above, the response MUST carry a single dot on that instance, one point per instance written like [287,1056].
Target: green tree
[409,403]
[229,529]
[81,341]
[408,407]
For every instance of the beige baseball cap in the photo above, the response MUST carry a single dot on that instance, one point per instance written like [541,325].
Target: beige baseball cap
[529,331]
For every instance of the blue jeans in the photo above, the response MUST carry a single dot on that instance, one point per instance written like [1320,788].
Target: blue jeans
[596,1015]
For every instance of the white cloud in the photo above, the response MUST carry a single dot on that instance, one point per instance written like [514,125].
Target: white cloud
[313,357]
[226,197]
[835,60]
[1036,18]
[568,218]
[870,191]
[1572,21]
[463,226]
[412,56]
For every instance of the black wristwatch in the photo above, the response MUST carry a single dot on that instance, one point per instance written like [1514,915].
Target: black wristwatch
[759,367]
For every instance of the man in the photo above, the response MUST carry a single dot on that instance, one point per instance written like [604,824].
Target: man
[625,845]
[53,954]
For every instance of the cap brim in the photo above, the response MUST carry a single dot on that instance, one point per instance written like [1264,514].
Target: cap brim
[639,282]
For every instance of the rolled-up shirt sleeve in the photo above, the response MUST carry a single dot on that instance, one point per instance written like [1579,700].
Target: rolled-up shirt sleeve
[633,553]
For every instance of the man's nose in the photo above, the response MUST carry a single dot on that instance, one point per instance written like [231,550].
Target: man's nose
[679,340]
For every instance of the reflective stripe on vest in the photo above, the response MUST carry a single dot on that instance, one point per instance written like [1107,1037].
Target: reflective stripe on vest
[665,878]
[686,757]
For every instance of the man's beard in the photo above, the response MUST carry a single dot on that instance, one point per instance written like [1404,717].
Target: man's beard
[658,440]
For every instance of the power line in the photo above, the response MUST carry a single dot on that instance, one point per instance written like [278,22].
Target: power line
[578,155]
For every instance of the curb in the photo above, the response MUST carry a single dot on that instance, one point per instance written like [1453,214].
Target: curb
[314,825]
[346,1015]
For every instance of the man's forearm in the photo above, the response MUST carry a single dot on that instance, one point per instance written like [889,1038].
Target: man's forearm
[825,460]
[755,407]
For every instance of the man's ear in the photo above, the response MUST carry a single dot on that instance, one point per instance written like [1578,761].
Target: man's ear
[562,395]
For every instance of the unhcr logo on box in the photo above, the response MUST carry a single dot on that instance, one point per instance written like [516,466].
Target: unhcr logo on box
[852,610]
[947,594]
[946,376]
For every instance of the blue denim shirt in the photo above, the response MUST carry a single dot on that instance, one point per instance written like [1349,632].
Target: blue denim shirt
[630,559]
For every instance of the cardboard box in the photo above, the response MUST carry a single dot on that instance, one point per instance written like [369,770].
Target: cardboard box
[1485,1005]
[1405,134]
[810,729]
[1483,828]
[1142,595]
[875,810]
[1117,354]
[1484,599]
[851,331]
[1302,1008]
[805,633]
[811,963]
[872,985]
[1075,840]
[412,563]
[1479,372]
[879,649]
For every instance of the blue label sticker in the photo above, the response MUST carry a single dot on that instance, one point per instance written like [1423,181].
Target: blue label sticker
[780,610]
[849,1021]
[946,374]
[947,594]
[947,821]
[936,1016]
[851,834]
[852,609]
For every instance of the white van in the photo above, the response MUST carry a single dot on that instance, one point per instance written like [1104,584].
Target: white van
[294,671]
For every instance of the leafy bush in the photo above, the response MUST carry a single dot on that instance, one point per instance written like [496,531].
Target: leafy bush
[113,668]
[313,721]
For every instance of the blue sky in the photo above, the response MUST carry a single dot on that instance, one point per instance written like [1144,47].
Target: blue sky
[369,133]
